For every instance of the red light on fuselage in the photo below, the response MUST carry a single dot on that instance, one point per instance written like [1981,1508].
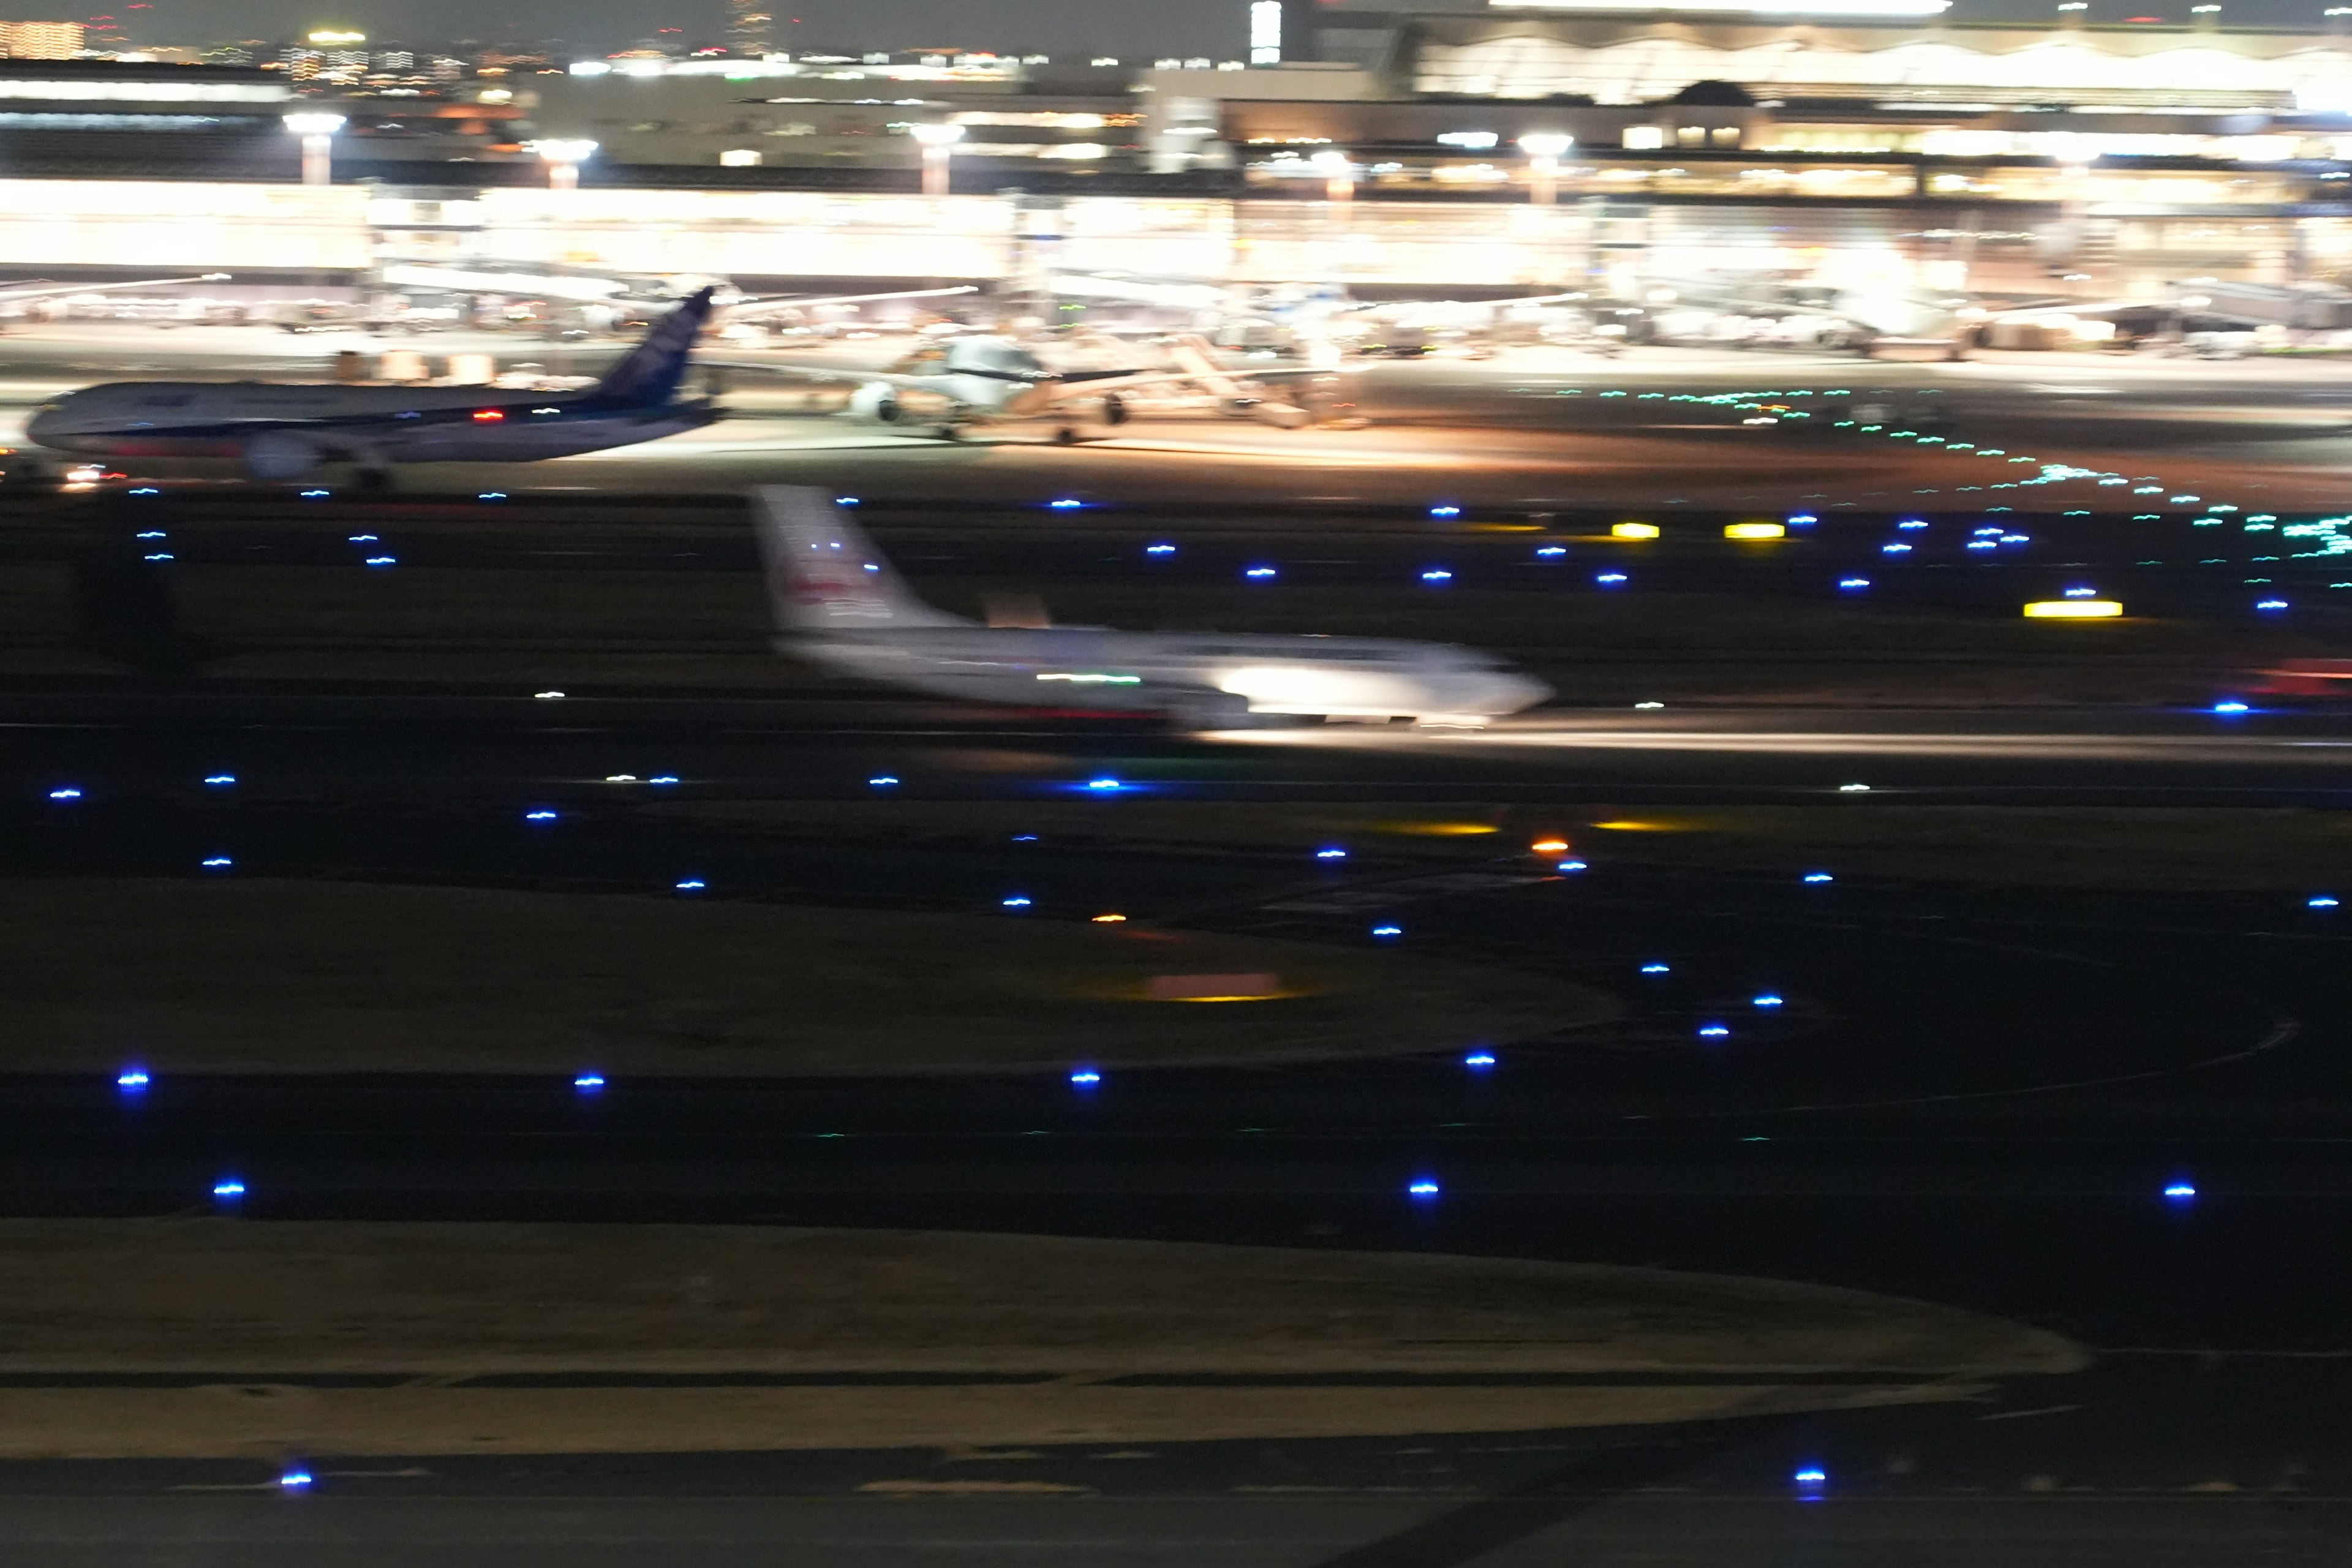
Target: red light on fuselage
[488,415]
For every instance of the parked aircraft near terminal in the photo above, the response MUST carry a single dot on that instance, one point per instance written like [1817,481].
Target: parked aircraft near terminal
[839,603]
[283,430]
[15,295]
[988,379]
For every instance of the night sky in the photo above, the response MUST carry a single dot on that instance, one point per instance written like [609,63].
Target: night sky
[1126,28]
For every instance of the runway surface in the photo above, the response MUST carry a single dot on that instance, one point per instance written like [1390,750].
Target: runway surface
[1971,1091]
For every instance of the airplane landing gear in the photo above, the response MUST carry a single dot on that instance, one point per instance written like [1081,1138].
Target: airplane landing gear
[1065,437]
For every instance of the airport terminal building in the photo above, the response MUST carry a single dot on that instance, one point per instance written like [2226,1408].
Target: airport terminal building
[1466,148]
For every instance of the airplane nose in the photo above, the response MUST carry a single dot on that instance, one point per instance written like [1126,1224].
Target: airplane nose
[41,426]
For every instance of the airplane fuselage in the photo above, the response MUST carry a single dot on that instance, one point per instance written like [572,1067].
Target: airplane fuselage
[386,424]
[1091,667]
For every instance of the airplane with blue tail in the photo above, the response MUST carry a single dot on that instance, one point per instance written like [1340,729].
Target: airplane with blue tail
[282,430]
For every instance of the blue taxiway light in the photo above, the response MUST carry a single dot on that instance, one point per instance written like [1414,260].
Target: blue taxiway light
[1895,549]
[2080,593]
[1568,868]
[2016,539]
[155,533]
[294,1480]
[1017,901]
[1610,579]
[1984,544]
[588,1081]
[1712,1031]
[1654,967]
[1388,931]
[1437,574]
[1767,999]
[316,495]
[66,792]
[844,501]
[2177,1190]
[220,781]
[1065,503]
[1811,1475]
[131,1077]
[1084,1077]
[882,781]
[144,490]
[2320,901]
[1479,1060]
[1550,551]
[663,779]
[542,813]
[1445,511]
[1160,550]
[382,561]
[690,885]
[160,555]
[1910,522]
[1025,838]
[1330,854]
[217,862]
[1819,876]
[1423,1188]
[228,1188]
[1105,783]
[492,495]
[1854,584]
[1799,520]
[361,539]
[2230,705]
[1260,573]
[2269,604]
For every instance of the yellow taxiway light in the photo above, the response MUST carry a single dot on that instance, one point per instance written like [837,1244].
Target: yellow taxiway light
[1549,846]
[1755,530]
[1108,920]
[1633,530]
[2073,610]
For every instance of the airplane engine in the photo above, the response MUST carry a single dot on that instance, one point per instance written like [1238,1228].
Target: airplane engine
[280,455]
[1282,415]
[876,401]
[1240,407]
[1114,409]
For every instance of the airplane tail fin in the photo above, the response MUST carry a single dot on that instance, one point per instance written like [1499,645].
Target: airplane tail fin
[824,574]
[1193,356]
[651,372]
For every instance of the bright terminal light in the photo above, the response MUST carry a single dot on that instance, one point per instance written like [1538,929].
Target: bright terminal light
[314,124]
[1633,530]
[1546,144]
[1476,140]
[331,35]
[932,135]
[2073,610]
[562,150]
[1755,530]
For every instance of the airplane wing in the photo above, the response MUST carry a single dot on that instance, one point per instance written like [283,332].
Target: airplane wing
[35,292]
[767,304]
